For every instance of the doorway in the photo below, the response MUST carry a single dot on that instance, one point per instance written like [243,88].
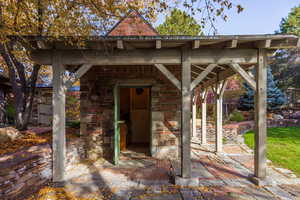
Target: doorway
[134,116]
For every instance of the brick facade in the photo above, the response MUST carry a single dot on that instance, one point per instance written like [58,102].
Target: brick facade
[97,108]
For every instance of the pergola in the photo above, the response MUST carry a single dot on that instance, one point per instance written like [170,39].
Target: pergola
[205,61]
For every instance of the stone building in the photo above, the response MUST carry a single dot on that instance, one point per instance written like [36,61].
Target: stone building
[137,89]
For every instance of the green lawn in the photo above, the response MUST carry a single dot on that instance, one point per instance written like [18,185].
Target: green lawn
[283,146]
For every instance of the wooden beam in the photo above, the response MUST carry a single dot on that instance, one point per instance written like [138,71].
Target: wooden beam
[203,74]
[232,44]
[120,44]
[58,127]
[186,114]
[260,116]
[78,74]
[196,44]
[202,68]
[284,43]
[238,69]
[168,75]
[158,44]
[148,57]
[264,44]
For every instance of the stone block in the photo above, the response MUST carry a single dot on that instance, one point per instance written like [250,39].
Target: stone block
[187,181]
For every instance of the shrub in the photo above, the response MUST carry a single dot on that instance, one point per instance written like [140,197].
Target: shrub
[73,124]
[236,116]
[10,113]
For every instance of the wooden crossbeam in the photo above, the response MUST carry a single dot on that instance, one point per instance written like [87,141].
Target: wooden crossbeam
[202,68]
[148,57]
[202,75]
[120,44]
[158,44]
[264,44]
[80,72]
[168,75]
[196,44]
[232,44]
[238,69]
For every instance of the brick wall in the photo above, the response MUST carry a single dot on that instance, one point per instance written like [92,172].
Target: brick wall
[97,108]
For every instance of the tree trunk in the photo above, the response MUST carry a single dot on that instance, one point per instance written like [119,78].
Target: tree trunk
[23,89]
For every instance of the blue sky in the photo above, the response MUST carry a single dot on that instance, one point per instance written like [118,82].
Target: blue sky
[259,17]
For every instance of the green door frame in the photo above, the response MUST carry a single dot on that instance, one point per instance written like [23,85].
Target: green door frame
[117,126]
[117,117]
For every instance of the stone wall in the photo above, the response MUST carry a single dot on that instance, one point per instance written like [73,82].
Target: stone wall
[25,171]
[97,108]
[42,107]
[233,132]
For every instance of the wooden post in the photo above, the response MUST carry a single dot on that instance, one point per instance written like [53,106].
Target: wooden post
[203,117]
[58,102]
[260,115]
[194,117]
[219,91]
[186,114]
[218,122]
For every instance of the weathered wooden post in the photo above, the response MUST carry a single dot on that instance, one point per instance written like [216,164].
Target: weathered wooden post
[194,116]
[58,102]
[186,114]
[219,91]
[203,117]
[260,115]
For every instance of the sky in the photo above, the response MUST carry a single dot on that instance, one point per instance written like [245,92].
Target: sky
[259,17]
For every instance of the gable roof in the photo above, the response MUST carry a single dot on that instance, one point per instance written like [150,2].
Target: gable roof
[133,24]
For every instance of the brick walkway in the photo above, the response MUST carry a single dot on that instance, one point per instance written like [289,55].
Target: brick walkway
[223,176]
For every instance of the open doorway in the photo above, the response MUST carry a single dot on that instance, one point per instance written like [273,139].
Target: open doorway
[135,121]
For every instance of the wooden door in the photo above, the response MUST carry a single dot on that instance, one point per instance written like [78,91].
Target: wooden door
[139,114]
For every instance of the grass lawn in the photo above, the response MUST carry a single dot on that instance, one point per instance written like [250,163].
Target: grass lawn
[283,146]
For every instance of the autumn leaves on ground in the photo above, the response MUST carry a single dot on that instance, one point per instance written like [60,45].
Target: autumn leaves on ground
[30,138]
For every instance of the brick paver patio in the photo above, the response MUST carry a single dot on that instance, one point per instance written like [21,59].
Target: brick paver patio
[225,176]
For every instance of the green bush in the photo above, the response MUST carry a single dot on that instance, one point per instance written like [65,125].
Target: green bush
[10,113]
[73,124]
[236,116]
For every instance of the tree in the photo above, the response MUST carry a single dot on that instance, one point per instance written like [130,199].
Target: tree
[275,97]
[73,21]
[179,23]
[286,63]
[291,24]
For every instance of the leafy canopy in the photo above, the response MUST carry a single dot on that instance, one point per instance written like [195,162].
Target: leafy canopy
[286,63]
[179,23]
[291,24]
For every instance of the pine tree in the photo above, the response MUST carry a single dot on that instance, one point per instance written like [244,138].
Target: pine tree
[275,97]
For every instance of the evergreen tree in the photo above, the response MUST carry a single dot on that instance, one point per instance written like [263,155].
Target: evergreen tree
[286,62]
[275,97]
[179,23]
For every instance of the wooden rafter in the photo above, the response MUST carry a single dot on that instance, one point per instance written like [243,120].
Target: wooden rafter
[203,74]
[168,75]
[238,69]
[158,44]
[80,72]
